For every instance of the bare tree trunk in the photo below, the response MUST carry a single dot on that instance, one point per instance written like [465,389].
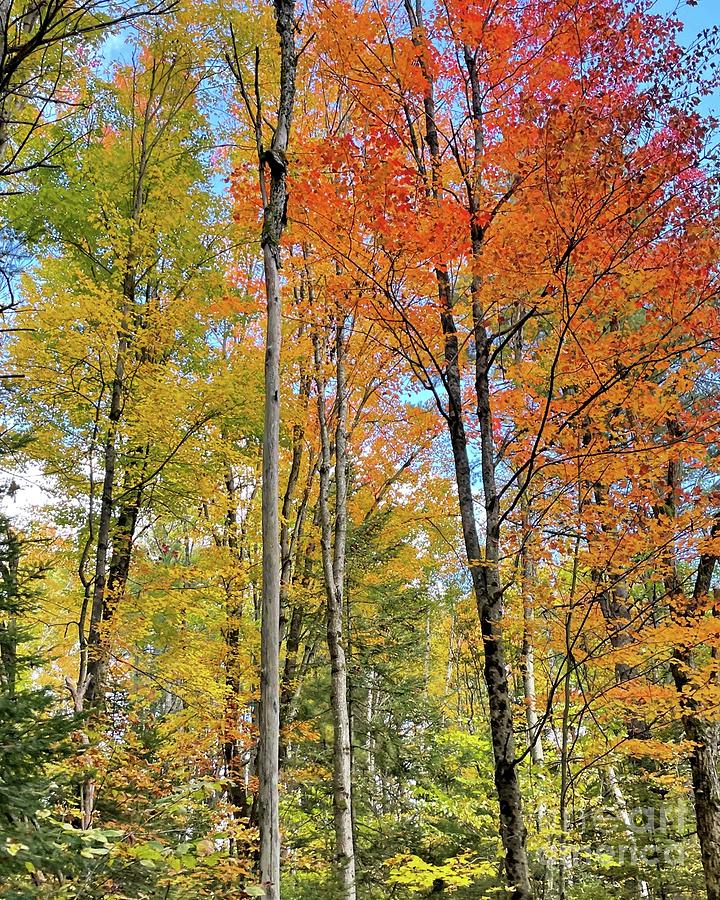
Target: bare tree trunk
[290,541]
[234,753]
[90,688]
[269,718]
[294,668]
[110,574]
[274,220]
[704,759]
[704,735]
[615,607]
[333,557]
[528,577]
[9,564]
[527,660]
[288,536]
[488,590]
[125,526]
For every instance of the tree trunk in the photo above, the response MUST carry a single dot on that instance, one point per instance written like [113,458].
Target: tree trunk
[289,538]
[124,530]
[9,564]
[269,712]
[93,687]
[274,219]
[333,557]
[486,577]
[704,759]
[93,669]
[295,668]
[615,607]
[703,733]
[234,751]
[484,566]
[527,661]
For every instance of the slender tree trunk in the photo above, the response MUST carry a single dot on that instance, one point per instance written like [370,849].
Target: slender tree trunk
[564,866]
[615,607]
[341,707]
[370,709]
[294,668]
[704,735]
[274,220]
[9,565]
[90,686]
[528,577]
[5,30]
[704,761]
[234,752]
[290,540]
[333,556]
[288,536]
[124,529]
[89,690]
[527,661]
[484,570]
[487,577]
[269,718]
[93,688]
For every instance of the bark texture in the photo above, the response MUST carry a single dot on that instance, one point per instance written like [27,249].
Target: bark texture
[273,160]
[527,658]
[333,557]
[700,729]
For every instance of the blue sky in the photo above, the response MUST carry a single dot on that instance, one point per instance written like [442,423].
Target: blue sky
[704,15]
[701,14]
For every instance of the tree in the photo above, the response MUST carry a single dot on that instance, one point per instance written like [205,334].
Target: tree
[274,201]
[38,43]
[333,542]
[468,642]
[103,320]
[511,147]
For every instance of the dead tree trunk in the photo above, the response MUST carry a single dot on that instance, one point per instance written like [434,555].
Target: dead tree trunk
[272,162]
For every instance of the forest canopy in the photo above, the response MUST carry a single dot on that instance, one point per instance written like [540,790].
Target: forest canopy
[360,450]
